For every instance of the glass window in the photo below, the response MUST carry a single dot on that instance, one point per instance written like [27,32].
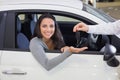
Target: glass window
[97,13]
[65,18]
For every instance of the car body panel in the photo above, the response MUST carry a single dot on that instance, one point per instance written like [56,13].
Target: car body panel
[0,56]
[67,3]
[66,7]
[79,66]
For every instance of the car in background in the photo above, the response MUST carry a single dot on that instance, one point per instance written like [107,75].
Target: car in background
[105,0]
[17,22]
[91,2]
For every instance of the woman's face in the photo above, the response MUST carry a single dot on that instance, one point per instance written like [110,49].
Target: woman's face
[47,28]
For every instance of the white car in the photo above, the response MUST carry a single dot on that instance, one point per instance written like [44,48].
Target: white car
[18,17]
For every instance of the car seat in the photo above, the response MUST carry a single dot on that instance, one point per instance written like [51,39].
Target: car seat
[25,29]
[22,41]
[33,23]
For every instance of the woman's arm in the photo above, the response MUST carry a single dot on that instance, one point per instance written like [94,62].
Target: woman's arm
[36,47]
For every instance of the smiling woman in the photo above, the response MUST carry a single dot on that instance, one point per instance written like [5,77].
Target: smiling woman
[47,36]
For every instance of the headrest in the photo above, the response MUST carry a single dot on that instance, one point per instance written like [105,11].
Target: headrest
[34,17]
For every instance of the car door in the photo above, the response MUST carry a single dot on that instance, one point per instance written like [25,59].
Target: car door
[15,63]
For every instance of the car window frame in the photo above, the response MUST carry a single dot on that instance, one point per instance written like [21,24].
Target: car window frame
[9,36]
[12,14]
[2,28]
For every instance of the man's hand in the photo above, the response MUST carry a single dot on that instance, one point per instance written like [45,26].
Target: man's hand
[80,27]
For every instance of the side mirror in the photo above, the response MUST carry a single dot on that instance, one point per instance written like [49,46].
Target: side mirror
[109,55]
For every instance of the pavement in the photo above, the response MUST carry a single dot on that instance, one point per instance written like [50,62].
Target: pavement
[111,8]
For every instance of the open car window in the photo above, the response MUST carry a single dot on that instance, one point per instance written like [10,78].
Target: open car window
[26,22]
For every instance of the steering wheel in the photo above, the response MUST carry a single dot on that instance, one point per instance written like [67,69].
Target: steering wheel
[94,42]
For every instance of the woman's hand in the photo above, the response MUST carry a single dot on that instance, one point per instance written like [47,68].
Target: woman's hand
[73,49]
[63,49]
[77,50]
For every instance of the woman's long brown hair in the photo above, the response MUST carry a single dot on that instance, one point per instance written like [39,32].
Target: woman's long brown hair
[57,36]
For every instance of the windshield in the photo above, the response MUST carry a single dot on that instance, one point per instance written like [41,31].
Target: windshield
[98,13]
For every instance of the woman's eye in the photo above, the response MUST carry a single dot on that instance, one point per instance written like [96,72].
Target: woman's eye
[44,26]
[52,26]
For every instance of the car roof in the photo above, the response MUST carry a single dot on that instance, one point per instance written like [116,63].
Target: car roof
[12,4]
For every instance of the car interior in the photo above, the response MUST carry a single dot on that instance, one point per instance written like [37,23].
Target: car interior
[25,29]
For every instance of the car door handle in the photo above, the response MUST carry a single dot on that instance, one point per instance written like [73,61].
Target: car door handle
[14,72]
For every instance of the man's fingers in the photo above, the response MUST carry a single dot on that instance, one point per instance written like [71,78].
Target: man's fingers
[77,27]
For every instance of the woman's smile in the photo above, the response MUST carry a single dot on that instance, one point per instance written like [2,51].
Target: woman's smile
[47,28]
